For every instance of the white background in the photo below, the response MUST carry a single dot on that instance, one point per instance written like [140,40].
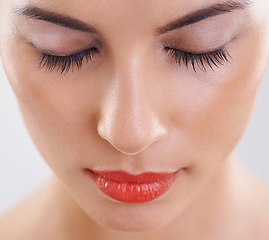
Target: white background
[22,169]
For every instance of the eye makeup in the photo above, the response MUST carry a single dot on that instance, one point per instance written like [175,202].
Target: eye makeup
[210,59]
[54,39]
[60,49]
[65,63]
[202,60]
[188,47]
[196,46]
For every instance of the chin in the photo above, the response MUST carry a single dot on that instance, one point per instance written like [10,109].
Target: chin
[139,218]
[133,224]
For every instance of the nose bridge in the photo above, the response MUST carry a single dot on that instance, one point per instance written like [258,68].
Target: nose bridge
[128,121]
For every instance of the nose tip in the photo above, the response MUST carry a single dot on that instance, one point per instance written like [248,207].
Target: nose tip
[131,138]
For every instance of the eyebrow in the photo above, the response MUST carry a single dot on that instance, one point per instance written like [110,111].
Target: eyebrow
[72,23]
[56,18]
[202,14]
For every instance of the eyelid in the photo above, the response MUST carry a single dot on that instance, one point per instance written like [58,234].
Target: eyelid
[200,40]
[212,59]
[65,63]
[66,54]
[59,39]
[216,47]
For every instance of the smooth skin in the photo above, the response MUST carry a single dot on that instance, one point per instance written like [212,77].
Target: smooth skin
[133,108]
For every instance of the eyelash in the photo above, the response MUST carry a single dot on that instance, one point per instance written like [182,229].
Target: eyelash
[211,59]
[65,63]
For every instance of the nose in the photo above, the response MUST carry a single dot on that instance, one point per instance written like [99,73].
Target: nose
[128,119]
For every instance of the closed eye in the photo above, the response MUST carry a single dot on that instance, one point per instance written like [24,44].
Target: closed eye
[65,63]
[201,60]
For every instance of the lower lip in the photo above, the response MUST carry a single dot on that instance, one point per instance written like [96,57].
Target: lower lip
[127,188]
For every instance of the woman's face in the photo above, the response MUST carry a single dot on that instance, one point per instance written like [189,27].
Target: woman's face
[158,86]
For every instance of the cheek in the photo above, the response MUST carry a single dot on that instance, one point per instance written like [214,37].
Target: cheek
[213,109]
[57,110]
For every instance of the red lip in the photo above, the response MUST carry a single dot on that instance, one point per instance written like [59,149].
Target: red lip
[124,187]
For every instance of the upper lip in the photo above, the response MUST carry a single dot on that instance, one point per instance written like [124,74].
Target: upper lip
[122,176]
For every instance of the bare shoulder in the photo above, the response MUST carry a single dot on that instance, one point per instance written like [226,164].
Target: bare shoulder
[13,225]
[260,193]
[39,216]
[259,207]
[20,223]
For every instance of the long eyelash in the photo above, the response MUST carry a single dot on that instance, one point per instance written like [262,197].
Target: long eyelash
[65,63]
[211,59]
